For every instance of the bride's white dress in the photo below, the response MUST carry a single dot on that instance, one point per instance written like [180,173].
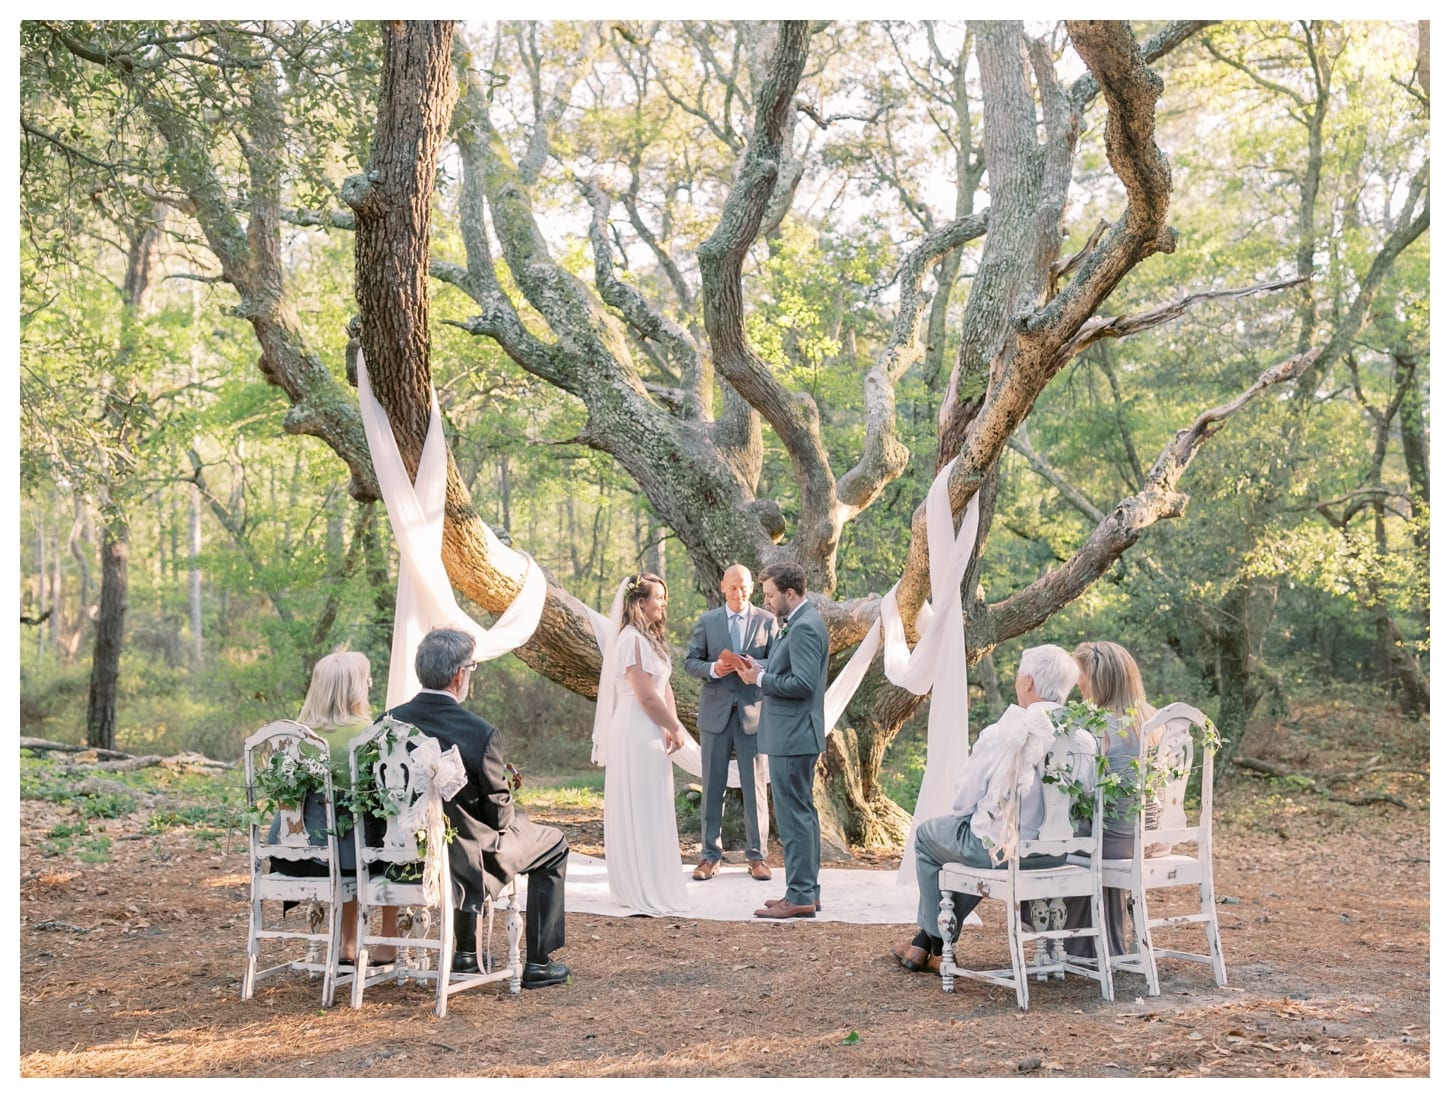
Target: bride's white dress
[641,839]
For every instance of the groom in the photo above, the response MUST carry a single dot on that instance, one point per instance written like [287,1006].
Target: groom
[793,733]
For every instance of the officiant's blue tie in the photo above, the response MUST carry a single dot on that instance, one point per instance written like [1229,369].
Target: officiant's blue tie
[737,632]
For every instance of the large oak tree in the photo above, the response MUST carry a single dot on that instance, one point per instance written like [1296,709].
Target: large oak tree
[672,385]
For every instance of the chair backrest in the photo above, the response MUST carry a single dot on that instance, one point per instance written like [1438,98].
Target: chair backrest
[287,739]
[382,770]
[1167,763]
[1069,774]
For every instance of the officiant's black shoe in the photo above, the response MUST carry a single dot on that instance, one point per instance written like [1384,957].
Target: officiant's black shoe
[545,973]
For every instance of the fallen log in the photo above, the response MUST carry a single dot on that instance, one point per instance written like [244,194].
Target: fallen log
[50,745]
[1311,782]
[103,758]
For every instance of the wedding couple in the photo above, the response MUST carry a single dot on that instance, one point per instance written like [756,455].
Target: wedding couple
[637,729]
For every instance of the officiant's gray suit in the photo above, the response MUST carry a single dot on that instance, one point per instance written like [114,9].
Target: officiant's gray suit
[729,720]
[793,734]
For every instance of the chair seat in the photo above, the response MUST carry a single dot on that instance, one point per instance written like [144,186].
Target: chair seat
[279,886]
[1164,872]
[1032,884]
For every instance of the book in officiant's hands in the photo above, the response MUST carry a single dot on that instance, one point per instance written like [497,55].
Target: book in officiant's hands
[732,661]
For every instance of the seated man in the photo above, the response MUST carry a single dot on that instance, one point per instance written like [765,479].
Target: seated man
[978,825]
[493,842]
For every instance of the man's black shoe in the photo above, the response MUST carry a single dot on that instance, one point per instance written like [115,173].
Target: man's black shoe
[545,974]
[464,962]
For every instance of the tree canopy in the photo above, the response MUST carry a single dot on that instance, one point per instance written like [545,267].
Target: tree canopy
[701,292]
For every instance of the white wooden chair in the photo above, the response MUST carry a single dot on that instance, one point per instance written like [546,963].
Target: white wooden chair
[1167,760]
[1011,884]
[400,762]
[292,844]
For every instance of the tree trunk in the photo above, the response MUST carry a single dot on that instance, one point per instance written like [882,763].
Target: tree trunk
[110,634]
[193,586]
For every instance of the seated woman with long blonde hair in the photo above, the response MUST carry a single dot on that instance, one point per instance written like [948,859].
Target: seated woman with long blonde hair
[336,708]
[1109,677]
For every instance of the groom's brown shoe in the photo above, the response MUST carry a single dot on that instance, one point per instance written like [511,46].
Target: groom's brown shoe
[705,870]
[785,910]
[915,959]
[777,903]
[759,870]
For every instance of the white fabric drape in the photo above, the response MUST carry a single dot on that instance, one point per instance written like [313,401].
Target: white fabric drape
[425,595]
[936,666]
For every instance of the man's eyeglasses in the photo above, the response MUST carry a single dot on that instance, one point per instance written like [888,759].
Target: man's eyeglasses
[471,665]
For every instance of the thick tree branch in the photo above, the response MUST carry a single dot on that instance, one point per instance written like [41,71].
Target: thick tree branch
[722,258]
[1086,87]
[1159,498]
[644,319]
[883,457]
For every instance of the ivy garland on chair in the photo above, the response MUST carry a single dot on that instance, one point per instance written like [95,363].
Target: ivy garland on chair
[287,779]
[368,800]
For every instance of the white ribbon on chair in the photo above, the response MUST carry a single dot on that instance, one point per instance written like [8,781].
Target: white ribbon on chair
[445,775]
[425,594]
[998,806]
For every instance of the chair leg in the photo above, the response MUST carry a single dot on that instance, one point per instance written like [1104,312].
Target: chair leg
[514,927]
[1014,945]
[1143,940]
[254,924]
[364,928]
[946,928]
[1057,920]
[445,956]
[1041,947]
[334,950]
[1100,943]
[1210,927]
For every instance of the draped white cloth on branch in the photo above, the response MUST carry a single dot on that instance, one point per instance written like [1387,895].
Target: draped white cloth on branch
[425,595]
[936,666]
[606,634]
[446,776]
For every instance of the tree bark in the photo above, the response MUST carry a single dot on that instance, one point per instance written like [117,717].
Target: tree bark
[110,633]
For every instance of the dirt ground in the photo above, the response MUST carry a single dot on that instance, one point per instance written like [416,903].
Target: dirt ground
[133,967]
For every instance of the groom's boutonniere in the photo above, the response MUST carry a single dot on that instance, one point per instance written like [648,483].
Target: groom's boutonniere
[784,629]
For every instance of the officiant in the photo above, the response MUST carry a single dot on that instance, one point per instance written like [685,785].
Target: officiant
[730,718]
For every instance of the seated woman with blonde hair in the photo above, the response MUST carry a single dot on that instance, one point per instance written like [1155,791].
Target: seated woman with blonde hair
[336,708]
[1108,676]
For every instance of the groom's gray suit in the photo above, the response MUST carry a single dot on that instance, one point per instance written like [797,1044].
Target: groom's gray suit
[793,734]
[730,718]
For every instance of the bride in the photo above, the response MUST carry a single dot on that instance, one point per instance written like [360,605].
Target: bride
[636,730]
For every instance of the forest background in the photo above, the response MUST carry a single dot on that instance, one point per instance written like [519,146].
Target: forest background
[194,532]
